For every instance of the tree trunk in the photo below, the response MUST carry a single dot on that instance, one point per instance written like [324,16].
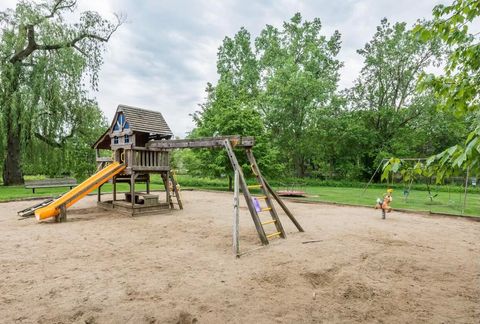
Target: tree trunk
[299,166]
[12,171]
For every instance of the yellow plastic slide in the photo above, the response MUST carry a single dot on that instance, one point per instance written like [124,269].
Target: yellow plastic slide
[80,191]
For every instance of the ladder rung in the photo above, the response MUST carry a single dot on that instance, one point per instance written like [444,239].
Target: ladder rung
[266,209]
[269,222]
[273,234]
[261,197]
[254,186]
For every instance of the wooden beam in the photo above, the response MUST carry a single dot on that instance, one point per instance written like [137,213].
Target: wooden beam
[205,142]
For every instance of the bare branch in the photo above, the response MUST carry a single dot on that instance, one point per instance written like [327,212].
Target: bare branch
[80,50]
[58,6]
[61,5]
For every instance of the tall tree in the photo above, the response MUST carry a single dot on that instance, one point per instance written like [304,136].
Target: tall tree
[230,108]
[43,67]
[299,76]
[385,94]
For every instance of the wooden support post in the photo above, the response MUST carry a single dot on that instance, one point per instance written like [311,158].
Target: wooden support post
[132,188]
[99,194]
[466,190]
[62,217]
[148,183]
[236,246]
[167,185]
[114,182]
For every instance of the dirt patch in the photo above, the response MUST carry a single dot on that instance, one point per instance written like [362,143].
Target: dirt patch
[321,278]
[178,267]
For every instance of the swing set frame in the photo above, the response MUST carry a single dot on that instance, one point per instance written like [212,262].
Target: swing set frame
[382,162]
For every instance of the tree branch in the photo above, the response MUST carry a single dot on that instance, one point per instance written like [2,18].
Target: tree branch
[57,6]
[60,6]
[47,140]
[33,46]
[408,119]
[54,143]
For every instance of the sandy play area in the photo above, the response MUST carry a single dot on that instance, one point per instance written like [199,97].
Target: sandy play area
[178,267]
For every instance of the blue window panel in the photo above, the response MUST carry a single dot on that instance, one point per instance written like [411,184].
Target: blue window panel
[127,139]
[115,140]
[121,119]
[126,126]
[116,127]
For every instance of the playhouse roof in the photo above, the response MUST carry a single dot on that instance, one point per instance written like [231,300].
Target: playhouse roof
[143,120]
[139,120]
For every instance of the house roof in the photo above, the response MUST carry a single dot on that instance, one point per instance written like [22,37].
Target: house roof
[139,120]
[143,120]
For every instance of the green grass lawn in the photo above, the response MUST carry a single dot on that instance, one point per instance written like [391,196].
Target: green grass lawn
[444,202]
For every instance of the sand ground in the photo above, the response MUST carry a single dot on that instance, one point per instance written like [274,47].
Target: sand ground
[178,267]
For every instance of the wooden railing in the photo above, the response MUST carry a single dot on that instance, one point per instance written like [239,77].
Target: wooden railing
[142,159]
[103,162]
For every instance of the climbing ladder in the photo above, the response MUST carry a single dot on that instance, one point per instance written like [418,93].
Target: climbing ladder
[262,224]
[168,178]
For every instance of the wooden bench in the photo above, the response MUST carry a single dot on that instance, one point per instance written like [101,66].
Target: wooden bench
[50,183]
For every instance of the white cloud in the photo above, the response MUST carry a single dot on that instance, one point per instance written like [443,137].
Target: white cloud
[164,56]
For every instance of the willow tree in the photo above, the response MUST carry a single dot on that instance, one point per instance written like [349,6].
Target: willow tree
[47,67]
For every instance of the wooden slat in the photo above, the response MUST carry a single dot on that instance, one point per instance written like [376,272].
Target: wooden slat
[150,168]
[52,181]
[104,159]
[274,234]
[269,222]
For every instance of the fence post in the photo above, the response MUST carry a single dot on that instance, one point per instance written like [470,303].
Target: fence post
[465,195]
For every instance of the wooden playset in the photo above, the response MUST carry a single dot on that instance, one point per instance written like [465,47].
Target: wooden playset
[138,144]
[132,128]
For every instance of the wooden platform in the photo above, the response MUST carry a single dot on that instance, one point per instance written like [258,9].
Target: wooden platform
[126,207]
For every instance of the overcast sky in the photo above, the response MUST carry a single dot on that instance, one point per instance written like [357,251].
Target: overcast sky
[166,53]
